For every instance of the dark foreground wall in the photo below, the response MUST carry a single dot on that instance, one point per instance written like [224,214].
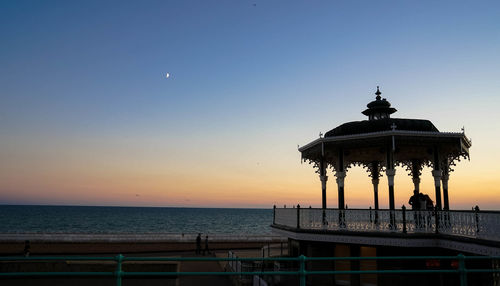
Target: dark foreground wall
[87,266]
[329,249]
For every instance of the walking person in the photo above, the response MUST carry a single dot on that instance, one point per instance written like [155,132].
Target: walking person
[206,246]
[198,244]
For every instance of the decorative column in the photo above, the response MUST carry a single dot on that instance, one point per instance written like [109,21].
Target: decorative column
[375,192]
[416,165]
[445,166]
[390,178]
[375,181]
[391,172]
[340,183]
[444,179]
[446,207]
[437,173]
[416,183]
[323,178]
[340,174]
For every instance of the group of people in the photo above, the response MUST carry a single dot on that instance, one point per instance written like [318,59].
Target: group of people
[421,202]
[198,245]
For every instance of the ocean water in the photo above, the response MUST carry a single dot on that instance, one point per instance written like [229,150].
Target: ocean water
[133,220]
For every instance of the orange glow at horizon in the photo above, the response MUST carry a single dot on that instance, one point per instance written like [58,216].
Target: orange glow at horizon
[256,169]
[87,116]
[229,184]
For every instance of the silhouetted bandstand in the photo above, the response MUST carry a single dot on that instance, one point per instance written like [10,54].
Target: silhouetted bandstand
[379,144]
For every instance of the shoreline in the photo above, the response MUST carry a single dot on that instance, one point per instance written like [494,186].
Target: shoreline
[65,244]
[132,237]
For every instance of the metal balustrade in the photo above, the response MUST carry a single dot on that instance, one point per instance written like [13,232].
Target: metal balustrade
[301,271]
[285,216]
[472,224]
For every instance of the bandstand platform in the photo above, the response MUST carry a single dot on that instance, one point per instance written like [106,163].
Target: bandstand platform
[379,144]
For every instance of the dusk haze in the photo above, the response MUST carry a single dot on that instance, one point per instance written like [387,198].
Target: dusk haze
[89,117]
[249,142]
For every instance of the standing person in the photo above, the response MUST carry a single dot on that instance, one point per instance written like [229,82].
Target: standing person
[428,205]
[422,201]
[27,248]
[206,246]
[415,207]
[414,201]
[198,244]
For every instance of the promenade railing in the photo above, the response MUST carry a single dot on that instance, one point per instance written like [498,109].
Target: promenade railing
[301,271]
[473,224]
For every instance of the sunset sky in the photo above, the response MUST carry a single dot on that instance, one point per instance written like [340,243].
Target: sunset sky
[88,117]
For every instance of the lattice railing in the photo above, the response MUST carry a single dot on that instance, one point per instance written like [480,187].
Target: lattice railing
[286,216]
[474,224]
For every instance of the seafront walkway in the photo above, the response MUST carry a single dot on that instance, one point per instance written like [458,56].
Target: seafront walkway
[203,266]
[181,266]
[75,253]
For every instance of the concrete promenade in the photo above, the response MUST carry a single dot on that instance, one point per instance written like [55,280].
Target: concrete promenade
[205,266]
[183,266]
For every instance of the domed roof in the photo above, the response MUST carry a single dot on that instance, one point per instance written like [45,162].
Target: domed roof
[385,124]
[378,113]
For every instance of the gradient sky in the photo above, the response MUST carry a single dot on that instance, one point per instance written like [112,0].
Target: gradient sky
[87,116]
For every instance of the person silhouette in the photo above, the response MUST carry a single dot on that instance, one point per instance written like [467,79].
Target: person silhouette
[416,206]
[414,201]
[198,244]
[27,248]
[206,246]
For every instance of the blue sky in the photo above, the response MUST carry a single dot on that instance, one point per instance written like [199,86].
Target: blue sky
[249,81]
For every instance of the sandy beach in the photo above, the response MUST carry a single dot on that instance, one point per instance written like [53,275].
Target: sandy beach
[66,244]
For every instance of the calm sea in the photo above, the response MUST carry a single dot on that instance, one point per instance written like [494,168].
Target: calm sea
[133,220]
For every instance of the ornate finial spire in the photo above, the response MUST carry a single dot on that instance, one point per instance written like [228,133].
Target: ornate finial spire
[379,108]
[378,93]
